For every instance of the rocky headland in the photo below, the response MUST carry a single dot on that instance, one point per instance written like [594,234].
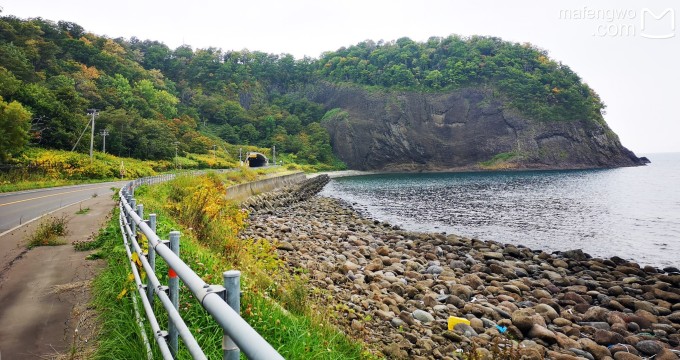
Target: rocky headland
[466,129]
[396,289]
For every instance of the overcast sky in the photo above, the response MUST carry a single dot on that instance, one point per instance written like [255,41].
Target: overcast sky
[619,48]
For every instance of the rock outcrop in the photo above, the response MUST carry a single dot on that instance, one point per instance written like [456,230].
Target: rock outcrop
[465,129]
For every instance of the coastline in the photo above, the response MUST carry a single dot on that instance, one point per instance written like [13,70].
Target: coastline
[406,169]
[459,170]
[396,289]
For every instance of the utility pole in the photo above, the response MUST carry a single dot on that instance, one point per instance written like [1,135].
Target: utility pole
[240,158]
[274,154]
[104,133]
[94,113]
[176,143]
[214,152]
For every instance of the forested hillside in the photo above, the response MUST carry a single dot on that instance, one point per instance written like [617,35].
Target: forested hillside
[151,97]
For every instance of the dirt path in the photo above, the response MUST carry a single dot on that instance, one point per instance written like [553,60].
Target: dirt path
[44,292]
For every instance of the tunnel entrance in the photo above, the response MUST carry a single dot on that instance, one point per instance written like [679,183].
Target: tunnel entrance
[256,159]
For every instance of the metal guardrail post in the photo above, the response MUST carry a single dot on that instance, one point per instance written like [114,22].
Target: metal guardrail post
[140,213]
[232,284]
[140,210]
[173,288]
[152,258]
[133,226]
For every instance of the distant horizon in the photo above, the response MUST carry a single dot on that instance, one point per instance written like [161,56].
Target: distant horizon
[629,60]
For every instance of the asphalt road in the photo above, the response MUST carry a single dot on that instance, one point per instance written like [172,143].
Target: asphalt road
[17,208]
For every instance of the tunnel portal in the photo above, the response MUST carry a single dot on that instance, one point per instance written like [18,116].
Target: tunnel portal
[256,159]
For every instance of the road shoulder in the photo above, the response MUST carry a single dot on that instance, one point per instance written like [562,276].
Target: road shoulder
[45,292]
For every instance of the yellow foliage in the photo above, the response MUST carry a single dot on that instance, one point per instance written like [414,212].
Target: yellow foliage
[90,73]
[58,164]
[85,40]
[113,48]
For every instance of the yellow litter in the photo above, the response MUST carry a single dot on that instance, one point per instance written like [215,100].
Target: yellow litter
[456,320]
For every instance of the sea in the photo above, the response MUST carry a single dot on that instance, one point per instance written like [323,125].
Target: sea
[632,213]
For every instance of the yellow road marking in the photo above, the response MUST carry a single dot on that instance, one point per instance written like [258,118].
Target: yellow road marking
[44,196]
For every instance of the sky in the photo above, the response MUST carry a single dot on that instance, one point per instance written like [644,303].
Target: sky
[627,51]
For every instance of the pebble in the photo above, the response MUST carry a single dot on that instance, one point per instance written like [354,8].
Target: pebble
[649,347]
[398,288]
[423,316]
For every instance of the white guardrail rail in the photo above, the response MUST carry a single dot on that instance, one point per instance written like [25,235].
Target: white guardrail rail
[222,302]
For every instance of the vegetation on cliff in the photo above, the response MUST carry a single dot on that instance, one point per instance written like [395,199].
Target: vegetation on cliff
[536,85]
[153,99]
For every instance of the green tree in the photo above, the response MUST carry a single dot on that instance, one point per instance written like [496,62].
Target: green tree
[60,126]
[8,83]
[15,60]
[15,122]
[249,134]
[229,134]
[292,124]
[434,79]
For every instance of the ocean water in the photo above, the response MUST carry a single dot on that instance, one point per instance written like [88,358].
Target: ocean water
[633,213]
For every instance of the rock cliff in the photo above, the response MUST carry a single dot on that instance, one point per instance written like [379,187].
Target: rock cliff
[466,129]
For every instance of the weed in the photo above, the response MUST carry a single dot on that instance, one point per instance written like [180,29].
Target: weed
[95,242]
[500,348]
[95,256]
[294,296]
[82,211]
[116,194]
[48,232]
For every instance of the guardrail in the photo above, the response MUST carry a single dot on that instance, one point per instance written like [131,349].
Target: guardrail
[222,302]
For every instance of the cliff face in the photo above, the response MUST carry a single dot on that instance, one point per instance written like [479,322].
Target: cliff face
[465,129]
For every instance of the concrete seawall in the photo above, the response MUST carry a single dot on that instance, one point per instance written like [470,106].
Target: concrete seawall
[241,192]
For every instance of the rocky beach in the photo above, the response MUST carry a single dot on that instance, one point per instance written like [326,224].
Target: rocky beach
[396,290]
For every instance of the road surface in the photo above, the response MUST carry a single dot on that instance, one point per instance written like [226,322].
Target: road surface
[17,208]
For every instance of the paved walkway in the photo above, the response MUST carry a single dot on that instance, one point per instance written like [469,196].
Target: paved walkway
[45,292]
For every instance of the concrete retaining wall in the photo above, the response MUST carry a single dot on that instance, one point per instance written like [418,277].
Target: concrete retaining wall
[241,192]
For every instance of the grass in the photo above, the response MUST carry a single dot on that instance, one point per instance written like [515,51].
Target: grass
[49,232]
[119,337]
[10,183]
[499,161]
